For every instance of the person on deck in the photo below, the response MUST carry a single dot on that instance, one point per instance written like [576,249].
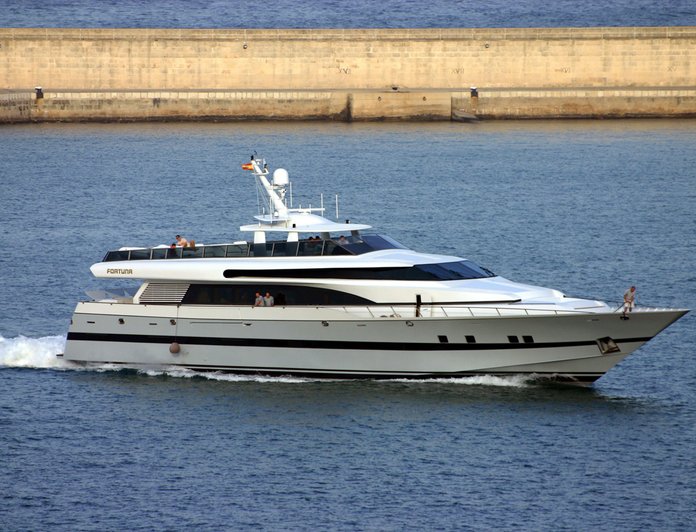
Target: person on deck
[181,241]
[258,302]
[629,301]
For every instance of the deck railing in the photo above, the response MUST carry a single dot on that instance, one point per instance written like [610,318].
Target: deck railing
[423,310]
[473,311]
[450,311]
[269,249]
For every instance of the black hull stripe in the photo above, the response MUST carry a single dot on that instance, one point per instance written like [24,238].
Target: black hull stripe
[326,344]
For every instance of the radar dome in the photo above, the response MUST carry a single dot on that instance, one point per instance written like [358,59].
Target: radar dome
[281,177]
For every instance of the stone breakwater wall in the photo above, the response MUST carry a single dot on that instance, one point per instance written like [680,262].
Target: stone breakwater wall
[148,74]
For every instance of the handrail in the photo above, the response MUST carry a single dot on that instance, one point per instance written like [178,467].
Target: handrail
[424,309]
[430,310]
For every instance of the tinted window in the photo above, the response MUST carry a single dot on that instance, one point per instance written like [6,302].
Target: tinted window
[382,242]
[116,255]
[189,253]
[214,251]
[174,253]
[332,248]
[367,243]
[448,271]
[311,247]
[237,250]
[456,270]
[464,269]
[278,249]
[140,254]
[467,269]
[284,295]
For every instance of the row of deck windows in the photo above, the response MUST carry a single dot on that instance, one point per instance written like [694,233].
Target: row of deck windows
[352,246]
[270,249]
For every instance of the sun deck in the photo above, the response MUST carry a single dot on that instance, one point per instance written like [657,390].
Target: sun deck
[351,245]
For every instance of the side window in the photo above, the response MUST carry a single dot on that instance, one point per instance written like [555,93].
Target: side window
[212,294]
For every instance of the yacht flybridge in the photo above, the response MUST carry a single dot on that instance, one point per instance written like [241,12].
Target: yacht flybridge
[343,303]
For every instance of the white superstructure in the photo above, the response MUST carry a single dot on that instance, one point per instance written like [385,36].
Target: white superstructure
[347,303]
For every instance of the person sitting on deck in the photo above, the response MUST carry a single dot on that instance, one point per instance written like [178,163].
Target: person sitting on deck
[258,302]
[181,241]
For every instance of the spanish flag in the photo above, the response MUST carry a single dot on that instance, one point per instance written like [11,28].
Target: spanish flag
[247,166]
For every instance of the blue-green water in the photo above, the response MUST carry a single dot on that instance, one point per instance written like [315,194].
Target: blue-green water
[588,207]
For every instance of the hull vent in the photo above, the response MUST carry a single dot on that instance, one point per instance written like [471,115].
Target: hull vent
[164,293]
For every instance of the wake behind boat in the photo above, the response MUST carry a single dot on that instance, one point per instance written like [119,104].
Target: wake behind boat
[346,303]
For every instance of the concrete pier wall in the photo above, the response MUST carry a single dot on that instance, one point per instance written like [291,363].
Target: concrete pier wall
[126,74]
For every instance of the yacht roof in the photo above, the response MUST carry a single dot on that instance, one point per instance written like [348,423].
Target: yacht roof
[301,222]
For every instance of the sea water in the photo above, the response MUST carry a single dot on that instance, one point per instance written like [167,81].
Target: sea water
[336,14]
[587,207]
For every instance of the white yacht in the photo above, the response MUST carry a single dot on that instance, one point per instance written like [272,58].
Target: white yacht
[348,303]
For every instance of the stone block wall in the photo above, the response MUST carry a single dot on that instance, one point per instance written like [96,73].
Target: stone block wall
[106,74]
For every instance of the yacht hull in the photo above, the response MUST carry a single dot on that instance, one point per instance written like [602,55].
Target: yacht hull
[349,343]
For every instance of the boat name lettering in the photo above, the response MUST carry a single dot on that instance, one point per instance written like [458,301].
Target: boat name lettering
[120,271]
